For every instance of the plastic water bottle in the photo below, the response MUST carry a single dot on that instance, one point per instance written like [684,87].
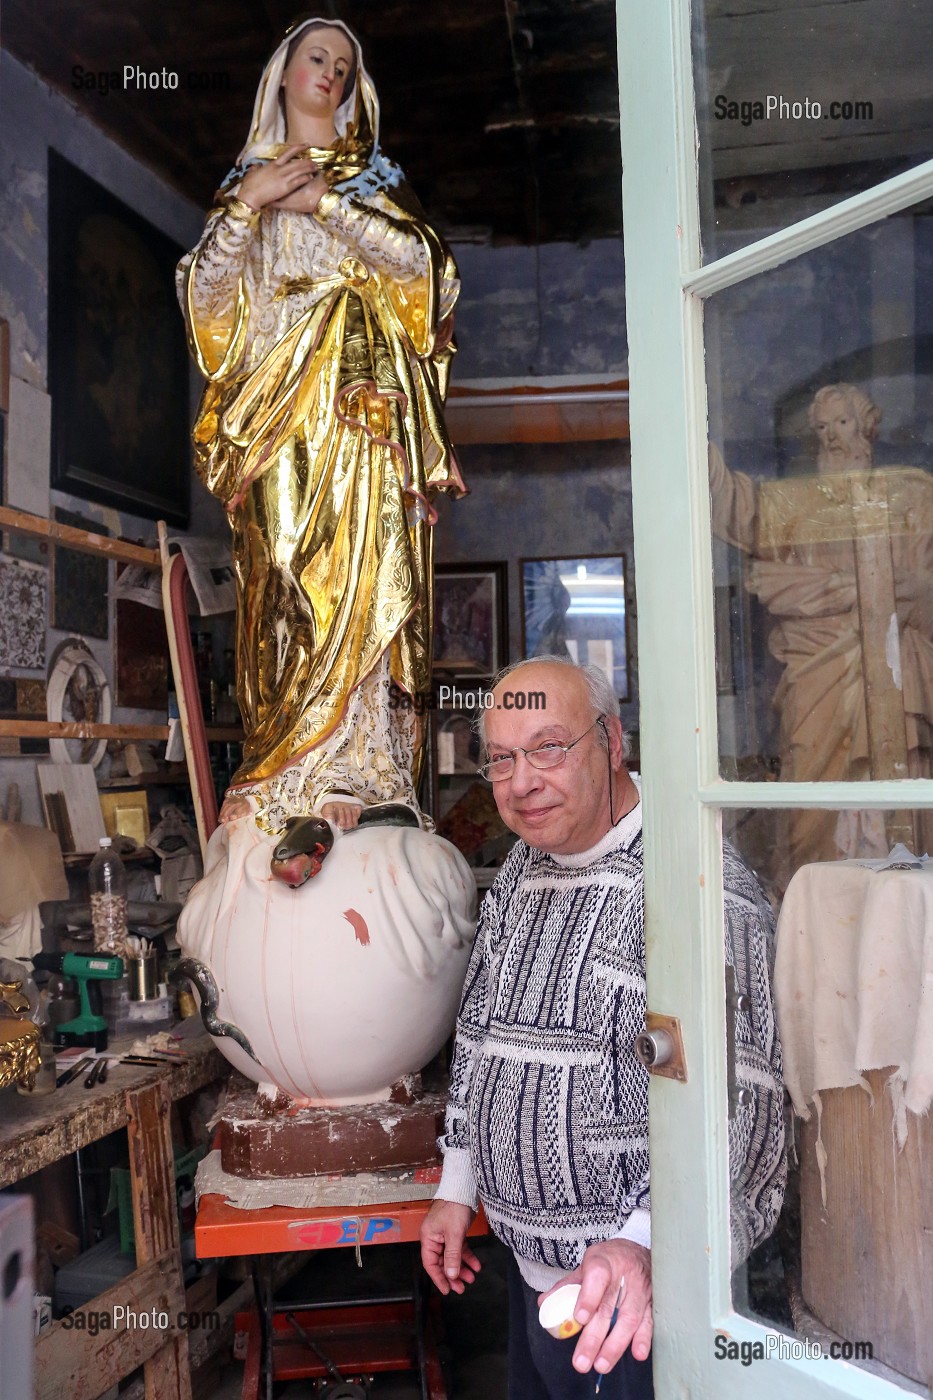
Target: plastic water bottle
[107,887]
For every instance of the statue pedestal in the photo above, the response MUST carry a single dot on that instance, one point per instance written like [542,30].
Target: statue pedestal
[266,1141]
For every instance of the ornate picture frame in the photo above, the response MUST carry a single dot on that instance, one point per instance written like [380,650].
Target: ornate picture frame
[471,619]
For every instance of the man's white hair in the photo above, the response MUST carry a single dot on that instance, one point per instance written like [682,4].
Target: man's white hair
[599,689]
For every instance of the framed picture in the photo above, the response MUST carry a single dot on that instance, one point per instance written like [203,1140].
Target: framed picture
[80,583]
[126,814]
[470,618]
[576,608]
[118,364]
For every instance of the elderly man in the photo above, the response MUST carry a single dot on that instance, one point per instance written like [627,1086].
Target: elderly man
[547,1120]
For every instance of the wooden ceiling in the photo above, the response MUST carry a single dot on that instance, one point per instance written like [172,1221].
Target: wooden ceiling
[504,113]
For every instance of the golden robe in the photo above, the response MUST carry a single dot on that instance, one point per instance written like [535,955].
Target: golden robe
[326,342]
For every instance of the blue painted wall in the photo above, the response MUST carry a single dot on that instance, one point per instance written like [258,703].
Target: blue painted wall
[524,312]
[557,309]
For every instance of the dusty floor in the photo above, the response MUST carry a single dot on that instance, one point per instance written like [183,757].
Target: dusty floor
[475,1323]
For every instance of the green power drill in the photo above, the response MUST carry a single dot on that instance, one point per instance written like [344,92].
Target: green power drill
[89,1027]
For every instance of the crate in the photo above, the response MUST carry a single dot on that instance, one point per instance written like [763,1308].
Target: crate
[121,1192]
[91,1273]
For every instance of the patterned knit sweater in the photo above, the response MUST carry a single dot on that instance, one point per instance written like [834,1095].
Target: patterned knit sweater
[547,1121]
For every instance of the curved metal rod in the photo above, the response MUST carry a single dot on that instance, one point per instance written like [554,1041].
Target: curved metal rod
[199,973]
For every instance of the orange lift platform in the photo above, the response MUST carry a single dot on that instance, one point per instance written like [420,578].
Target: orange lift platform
[345,1343]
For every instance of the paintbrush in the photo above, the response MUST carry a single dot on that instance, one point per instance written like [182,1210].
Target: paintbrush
[73,1072]
[612,1323]
[97,1074]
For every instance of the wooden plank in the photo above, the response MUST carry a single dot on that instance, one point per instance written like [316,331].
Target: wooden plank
[74,784]
[530,413]
[20,522]
[59,729]
[74,1364]
[190,709]
[867,1256]
[207,1342]
[205,1346]
[155,1218]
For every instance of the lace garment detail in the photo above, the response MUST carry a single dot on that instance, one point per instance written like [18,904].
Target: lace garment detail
[377,240]
[222,254]
[369,757]
[285,248]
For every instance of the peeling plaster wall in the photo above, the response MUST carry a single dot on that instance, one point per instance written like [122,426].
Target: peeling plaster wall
[554,310]
[551,500]
[33,118]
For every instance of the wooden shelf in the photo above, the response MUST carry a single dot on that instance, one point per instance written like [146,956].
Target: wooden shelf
[163,778]
[65,729]
[224,733]
[77,1360]
[20,522]
[76,860]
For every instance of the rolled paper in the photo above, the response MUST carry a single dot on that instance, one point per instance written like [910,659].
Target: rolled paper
[556,1312]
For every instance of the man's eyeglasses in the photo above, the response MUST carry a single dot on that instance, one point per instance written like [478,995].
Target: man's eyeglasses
[549,755]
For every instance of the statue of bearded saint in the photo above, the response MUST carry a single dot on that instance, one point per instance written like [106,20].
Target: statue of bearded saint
[818,545]
[319,307]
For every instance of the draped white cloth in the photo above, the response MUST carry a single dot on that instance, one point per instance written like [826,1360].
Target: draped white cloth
[853,983]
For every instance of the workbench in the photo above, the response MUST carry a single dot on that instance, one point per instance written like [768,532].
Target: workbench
[71,1364]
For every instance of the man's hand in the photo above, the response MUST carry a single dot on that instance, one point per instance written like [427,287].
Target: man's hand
[448,1260]
[607,1268]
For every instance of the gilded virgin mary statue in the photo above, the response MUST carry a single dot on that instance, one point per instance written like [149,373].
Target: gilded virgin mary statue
[319,306]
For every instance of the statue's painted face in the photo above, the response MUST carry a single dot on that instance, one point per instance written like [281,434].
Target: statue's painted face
[314,80]
[840,436]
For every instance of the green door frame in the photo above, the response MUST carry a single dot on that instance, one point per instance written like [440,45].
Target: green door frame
[683,794]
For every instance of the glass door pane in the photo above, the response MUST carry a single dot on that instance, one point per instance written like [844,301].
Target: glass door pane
[820,388]
[802,104]
[724,634]
[847,1270]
